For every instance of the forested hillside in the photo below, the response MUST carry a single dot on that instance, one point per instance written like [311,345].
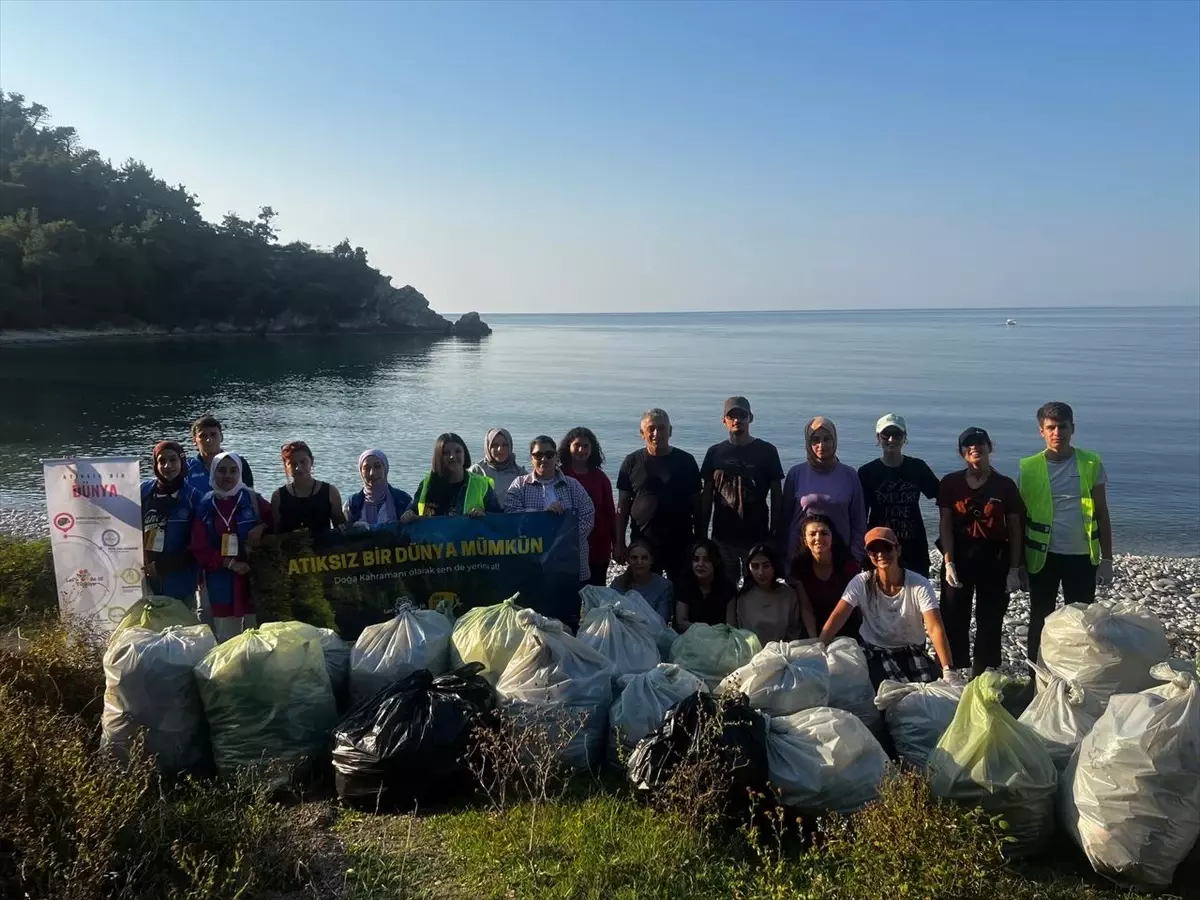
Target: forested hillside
[84,243]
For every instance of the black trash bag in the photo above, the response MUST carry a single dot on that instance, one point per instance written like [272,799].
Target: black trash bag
[406,744]
[704,723]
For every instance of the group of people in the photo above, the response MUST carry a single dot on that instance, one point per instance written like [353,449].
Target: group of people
[823,551]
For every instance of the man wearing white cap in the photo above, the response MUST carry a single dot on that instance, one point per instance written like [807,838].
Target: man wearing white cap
[892,489]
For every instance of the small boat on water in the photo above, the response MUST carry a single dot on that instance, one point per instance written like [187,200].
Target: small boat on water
[1010,322]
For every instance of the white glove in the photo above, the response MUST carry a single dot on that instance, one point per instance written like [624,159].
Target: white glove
[954,677]
[952,575]
[1104,572]
[1013,583]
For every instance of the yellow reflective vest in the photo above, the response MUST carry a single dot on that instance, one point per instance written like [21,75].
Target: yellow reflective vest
[1039,506]
[476,493]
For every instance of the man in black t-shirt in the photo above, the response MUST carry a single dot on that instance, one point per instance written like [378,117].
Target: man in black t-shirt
[658,490]
[738,477]
[892,488]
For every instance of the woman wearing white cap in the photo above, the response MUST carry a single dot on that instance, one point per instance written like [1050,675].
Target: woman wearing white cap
[892,489]
[899,611]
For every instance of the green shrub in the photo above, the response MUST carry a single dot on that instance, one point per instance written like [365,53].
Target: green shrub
[26,579]
[76,826]
[55,666]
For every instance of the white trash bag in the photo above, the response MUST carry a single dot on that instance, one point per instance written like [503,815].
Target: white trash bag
[1107,647]
[850,685]
[488,635]
[593,596]
[917,715]
[713,651]
[782,678]
[391,651]
[1061,714]
[552,675]
[1131,795]
[148,685]
[643,702]
[824,759]
[621,635]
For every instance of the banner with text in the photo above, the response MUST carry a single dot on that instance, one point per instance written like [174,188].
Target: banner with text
[352,580]
[95,510]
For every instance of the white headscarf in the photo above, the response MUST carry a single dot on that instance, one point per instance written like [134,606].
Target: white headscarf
[212,475]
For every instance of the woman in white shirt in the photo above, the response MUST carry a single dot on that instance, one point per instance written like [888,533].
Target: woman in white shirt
[899,609]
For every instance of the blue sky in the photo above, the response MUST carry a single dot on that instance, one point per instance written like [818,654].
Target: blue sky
[623,156]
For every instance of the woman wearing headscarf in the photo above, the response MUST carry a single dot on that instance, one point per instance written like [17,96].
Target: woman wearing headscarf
[828,484]
[168,509]
[450,489]
[230,521]
[378,502]
[498,463]
[305,502]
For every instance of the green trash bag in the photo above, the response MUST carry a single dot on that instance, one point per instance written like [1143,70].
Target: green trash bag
[489,635]
[987,758]
[711,652]
[157,613]
[336,651]
[268,701]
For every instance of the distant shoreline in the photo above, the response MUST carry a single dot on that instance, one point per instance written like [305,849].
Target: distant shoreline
[47,336]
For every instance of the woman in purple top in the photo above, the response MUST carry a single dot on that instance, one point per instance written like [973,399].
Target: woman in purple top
[823,483]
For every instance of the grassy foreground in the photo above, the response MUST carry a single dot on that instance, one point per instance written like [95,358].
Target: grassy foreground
[74,826]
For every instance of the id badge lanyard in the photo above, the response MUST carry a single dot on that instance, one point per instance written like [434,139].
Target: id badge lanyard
[229,540]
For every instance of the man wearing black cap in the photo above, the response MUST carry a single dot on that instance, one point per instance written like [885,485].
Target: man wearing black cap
[738,476]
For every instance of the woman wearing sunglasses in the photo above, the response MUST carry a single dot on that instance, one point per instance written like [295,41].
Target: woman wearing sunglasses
[899,610]
[547,489]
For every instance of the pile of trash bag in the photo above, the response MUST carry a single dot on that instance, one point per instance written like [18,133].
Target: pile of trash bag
[850,685]
[782,678]
[592,597]
[824,759]
[408,743]
[1061,714]
[335,650]
[713,651]
[148,685]
[267,698]
[643,702]
[391,651]
[621,635]
[917,715]
[988,759]
[156,613]
[1131,795]
[704,727]
[1107,647]
[555,681]
[488,635]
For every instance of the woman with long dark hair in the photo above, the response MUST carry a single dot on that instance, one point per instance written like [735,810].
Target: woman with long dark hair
[821,569]
[449,489]
[581,458]
[899,610]
[766,605]
[639,575]
[703,592]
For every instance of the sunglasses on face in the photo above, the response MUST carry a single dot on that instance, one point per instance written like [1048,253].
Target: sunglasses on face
[545,454]
[880,549]
[736,415]
[892,435]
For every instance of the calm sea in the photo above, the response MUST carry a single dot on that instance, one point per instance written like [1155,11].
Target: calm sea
[1132,375]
